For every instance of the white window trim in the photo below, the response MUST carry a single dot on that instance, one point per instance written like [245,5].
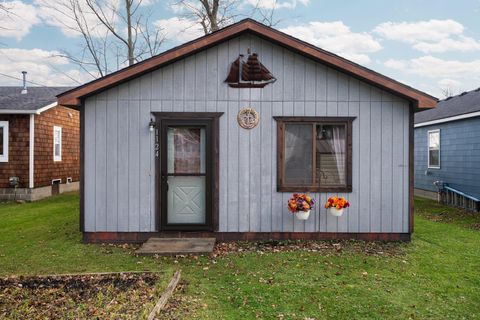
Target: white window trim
[31,152]
[4,157]
[428,148]
[55,157]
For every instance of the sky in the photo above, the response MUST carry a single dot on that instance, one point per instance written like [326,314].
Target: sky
[431,45]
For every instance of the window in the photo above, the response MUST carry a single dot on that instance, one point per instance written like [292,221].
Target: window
[3,141]
[434,149]
[314,154]
[57,144]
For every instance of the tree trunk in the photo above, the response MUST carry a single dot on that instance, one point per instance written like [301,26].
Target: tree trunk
[128,7]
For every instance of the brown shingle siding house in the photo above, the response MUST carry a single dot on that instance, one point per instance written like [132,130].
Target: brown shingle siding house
[39,144]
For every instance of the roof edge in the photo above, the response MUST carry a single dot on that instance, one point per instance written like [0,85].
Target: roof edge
[13,111]
[448,119]
[421,99]
[35,111]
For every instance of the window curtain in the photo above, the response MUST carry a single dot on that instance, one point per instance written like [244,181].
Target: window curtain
[337,142]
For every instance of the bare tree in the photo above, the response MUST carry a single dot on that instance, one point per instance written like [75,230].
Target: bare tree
[215,14]
[210,14]
[265,15]
[4,7]
[113,32]
[6,10]
[447,92]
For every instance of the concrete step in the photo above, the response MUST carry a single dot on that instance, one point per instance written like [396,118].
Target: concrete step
[177,246]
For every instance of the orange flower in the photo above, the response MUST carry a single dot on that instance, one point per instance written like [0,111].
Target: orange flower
[337,202]
[300,202]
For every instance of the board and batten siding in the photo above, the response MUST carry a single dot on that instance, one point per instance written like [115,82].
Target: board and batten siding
[119,148]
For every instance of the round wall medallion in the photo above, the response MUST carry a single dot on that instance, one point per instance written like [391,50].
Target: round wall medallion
[248,118]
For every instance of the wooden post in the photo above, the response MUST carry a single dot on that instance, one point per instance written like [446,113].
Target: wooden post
[165,296]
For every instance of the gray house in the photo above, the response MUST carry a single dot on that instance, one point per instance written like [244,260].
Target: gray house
[211,138]
[447,151]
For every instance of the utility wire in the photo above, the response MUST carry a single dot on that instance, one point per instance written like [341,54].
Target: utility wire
[20,79]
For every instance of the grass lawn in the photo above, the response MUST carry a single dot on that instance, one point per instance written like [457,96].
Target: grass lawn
[43,238]
[436,276]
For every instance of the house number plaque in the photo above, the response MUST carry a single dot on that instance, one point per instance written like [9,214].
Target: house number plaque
[248,118]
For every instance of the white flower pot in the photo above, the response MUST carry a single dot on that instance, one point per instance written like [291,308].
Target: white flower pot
[302,215]
[336,212]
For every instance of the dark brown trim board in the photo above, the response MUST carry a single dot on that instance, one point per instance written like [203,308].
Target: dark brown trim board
[281,185]
[211,121]
[411,164]
[82,166]
[138,237]
[420,99]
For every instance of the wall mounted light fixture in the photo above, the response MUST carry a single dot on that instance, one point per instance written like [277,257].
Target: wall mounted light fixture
[151,125]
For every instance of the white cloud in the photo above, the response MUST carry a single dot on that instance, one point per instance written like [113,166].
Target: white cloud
[41,66]
[429,36]
[17,21]
[338,38]
[179,29]
[432,67]
[276,4]
[417,31]
[461,44]
[145,3]
[450,86]
[59,13]
[449,83]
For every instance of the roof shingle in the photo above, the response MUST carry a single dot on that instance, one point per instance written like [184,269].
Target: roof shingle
[35,98]
[466,102]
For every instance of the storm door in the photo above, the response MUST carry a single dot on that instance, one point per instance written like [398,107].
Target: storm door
[186,175]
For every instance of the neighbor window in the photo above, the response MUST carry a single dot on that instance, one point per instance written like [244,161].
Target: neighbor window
[3,141]
[57,144]
[314,154]
[434,149]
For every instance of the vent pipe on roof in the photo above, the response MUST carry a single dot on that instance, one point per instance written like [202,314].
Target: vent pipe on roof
[24,90]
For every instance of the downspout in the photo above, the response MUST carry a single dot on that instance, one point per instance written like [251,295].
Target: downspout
[31,151]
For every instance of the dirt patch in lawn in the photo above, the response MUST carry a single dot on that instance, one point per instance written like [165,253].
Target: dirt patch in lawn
[109,296]
[322,247]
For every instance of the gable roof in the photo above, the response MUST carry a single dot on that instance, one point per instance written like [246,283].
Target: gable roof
[36,99]
[462,104]
[420,99]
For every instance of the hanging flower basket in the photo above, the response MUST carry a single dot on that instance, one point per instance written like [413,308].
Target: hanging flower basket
[302,215]
[336,206]
[300,205]
[335,212]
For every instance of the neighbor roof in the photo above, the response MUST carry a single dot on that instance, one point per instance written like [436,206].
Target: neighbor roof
[462,104]
[420,99]
[36,98]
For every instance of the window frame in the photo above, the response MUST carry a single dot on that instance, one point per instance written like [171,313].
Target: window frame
[281,185]
[59,157]
[4,156]
[428,148]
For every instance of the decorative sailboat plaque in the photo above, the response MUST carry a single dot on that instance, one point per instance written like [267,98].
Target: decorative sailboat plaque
[249,74]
